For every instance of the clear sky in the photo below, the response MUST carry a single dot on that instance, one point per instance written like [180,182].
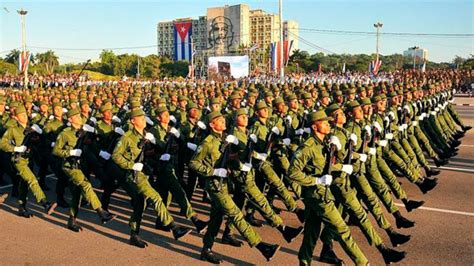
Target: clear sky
[118,23]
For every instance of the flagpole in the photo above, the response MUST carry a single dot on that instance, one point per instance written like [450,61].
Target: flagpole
[22,14]
[281,62]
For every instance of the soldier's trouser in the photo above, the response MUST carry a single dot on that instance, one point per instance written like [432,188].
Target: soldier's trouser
[410,150]
[380,187]
[275,182]
[137,201]
[248,192]
[393,158]
[167,181]
[6,165]
[318,211]
[433,135]
[143,187]
[80,187]
[62,182]
[41,159]
[347,197]
[455,115]
[412,141]
[223,205]
[390,177]
[424,141]
[27,182]
[281,166]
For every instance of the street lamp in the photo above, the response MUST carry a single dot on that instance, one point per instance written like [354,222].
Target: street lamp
[378,26]
[22,14]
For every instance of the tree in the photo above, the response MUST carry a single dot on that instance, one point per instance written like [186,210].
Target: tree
[12,56]
[48,60]
[108,62]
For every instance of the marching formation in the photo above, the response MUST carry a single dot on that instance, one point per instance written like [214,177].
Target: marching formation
[331,150]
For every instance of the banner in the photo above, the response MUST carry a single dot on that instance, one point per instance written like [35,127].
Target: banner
[275,53]
[228,67]
[182,41]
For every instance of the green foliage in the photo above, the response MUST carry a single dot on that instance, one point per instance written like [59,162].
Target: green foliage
[6,67]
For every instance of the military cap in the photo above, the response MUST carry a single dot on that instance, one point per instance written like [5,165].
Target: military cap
[28,99]
[136,113]
[351,105]
[182,98]
[105,107]
[43,102]
[213,115]
[331,108]
[365,101]
[235,96]
[242,111]
[57,104]
[278,100]
[351,91]
[135,104]
[191,105]
[318,116]
[377,98]
[161,109]
[307,95]
[260,105]
[291,97]
[268,94]
[215,101]
[324,94]
[337,93]
[73,112]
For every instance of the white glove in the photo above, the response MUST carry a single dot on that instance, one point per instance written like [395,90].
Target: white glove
[253,137]
[137,167]
[116,119]
[64,110]
[363,157]
[173,119]
[75,152]
[201,125]
[389,136]
[299,132]
[191,146]
[231,139]
[286,141]
[335,141]
[88,128]
[150,137]
[51,117]
[52,144]
[377,126]
[33,115]
[119,131]
[387,119]
[437,109]
[37,129]
[421,117]
[20,149]
[433,113]
[220,172]
[261,156]
[353,138]
[414,123]
[372,151]
[347,168]
[288,119]
[165,157]
[175,132]
[246,167]
[325,180]
[149,121]
[307,130]
[383,143]
[407,108]
[368,130]
[276,131]
[93,120]
[392,115]
[104,155]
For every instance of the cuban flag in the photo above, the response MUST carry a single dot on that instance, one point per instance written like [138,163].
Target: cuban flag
[275,53]
[182,41]
[23,61]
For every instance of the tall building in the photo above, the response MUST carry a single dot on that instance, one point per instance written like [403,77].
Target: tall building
[417,52]
[264,28]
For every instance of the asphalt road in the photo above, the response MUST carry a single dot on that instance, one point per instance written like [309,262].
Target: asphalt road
[443,234]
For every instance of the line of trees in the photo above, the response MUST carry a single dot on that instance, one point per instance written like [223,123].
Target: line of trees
[153,66]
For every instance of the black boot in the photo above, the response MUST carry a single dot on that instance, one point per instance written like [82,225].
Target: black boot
[267,250]
[159,225]
[137,241]
[229,239]
[250,218]
[105,216]
[72,225]
[390,255]
[431,172]
[329,256]
[396,238]
[62,202]
[23,212]
[3,197]
[401,221]
[412,204]
[290,233]
[466,128]
[179,232]
[440,162]
[209,256]
[426,185]
[199,224]
[49,207]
